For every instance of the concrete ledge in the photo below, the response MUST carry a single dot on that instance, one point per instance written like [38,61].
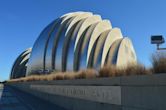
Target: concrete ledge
[119,93]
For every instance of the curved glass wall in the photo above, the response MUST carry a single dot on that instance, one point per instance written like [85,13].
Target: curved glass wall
[49,49]
[59,46]
[113,52]
[84,48]
[69,48]
[36,61]
[96,56]
[19,66]
[77,50]
[75,41]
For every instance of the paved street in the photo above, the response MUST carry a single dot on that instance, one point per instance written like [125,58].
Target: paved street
[12,99]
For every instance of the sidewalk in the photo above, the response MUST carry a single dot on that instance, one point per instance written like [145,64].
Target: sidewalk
[12,99]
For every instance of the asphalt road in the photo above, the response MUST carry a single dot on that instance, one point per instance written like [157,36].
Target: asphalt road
[13,99]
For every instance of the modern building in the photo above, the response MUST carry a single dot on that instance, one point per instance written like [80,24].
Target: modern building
[78,41]
[20,65]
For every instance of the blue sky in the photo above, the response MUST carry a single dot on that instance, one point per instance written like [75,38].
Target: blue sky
[21,21]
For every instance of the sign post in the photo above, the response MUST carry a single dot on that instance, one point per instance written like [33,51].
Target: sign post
[158,40]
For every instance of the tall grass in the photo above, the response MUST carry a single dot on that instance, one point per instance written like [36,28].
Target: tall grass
[131,69]
[109,71]
[83,74]
[86,74]
[159,62]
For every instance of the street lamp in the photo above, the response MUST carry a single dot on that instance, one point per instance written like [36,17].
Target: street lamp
[158,40]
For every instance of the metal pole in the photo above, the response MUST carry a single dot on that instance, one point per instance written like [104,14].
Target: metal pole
[158,48]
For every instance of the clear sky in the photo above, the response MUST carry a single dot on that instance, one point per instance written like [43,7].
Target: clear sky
[21,21]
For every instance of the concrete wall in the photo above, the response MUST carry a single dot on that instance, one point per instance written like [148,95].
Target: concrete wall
[146,92]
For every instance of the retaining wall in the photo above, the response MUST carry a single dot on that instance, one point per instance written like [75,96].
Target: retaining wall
[145,92]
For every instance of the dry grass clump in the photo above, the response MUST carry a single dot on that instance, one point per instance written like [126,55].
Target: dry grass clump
[159,62]
[136,69]
[69,75]
[54,76]
[32,78]
[13,80]
[86,74]
[131,69]
[59,76]
[83,74]
[107,71]
[110,71]
[49,77]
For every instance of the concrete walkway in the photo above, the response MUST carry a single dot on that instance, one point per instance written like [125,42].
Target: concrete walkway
[12,99]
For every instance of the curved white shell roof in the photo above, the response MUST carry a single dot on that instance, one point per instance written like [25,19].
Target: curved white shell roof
[89,21]
[79,40]
[113,35]
[126,53]
[100,27]
[20,64]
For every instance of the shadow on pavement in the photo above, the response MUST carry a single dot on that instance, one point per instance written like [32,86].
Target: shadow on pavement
[14,99]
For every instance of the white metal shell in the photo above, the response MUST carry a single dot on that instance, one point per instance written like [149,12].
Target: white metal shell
[99,28]
[126,54]
[113,35]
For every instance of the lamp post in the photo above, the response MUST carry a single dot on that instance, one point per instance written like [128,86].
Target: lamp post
[158,40]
